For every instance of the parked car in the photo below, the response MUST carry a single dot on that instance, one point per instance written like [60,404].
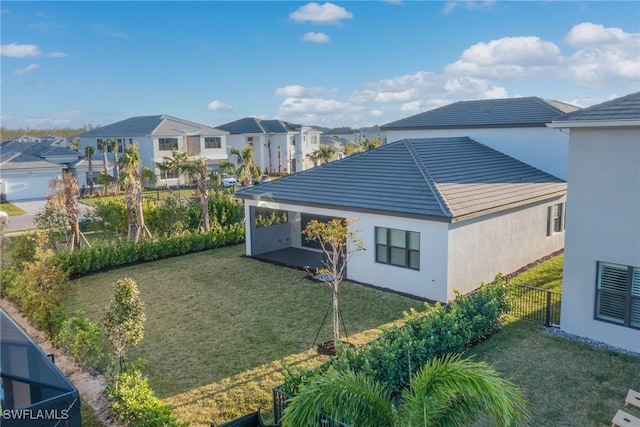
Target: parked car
[228,181]
[262,180]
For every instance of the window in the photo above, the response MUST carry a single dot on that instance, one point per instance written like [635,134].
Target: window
[167,144]
[292,139]
[213,142]
[398,247]
[118,141]
[618,294]
[555,219]
[314,139]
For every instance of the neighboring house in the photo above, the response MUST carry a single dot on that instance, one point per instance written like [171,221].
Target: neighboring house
[514,126]
[27,165]
[32,388]
[278,146]
[601,280]
[157,136]
[356,135]
[436,215]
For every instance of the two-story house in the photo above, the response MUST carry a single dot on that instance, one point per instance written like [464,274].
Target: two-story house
[514,126]
[157,137]
[278,146]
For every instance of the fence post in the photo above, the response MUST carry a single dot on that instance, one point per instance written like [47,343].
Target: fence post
[547,320]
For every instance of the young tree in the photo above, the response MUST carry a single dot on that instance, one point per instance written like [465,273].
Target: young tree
[339,241]
[52,220]
[246,168]
[65,196]
[369,144]
[268,145]
[314,156]
[44,290]
[176,163]
[89,152]
[133,175]
[448,391]
[123,322]
[198,170]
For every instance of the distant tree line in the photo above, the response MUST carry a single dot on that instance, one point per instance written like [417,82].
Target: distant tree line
[9,134]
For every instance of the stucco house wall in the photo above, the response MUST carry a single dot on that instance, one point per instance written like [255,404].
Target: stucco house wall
[455,256]
[543,148]
[503,242]
[603,224]
[25,184]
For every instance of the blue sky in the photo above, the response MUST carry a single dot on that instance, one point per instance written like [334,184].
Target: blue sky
[67,64]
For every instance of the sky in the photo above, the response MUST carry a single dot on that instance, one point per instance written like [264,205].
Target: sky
[330,64]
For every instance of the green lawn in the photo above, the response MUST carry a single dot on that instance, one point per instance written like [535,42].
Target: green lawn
[565,383]
[547,275]
[11,209]
[220,327]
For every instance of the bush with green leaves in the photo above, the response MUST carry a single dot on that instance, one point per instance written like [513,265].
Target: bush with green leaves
[99,257]
[438,331]
[134,404]
[82,338]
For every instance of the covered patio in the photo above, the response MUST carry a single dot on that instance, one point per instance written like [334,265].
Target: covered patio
[294,257]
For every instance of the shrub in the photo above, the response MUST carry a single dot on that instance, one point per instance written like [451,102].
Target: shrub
[81,337]
[437,331]
[134,404]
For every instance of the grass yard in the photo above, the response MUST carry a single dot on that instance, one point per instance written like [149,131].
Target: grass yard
[547,275]
[221,327]
[565,383]
[11,209]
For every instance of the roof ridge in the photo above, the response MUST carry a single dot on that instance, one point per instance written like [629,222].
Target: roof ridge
[424,170]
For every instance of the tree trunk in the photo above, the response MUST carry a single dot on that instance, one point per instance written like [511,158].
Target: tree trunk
[204,199]
[105,161]
[91,184]
[75,233]
[139,215]
[336,315]
[116,369]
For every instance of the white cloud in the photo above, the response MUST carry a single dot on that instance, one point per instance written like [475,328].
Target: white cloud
[604,55]
[300,91]
[62,119]
[314,105]
[26,69]
[328,14]
[508,57]
[402,96]
[15,50]
[412,107]
[217,105]
[316,37]
[376,112]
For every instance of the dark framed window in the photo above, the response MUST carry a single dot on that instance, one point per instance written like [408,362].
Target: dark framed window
[306,219]
[398,247]
[212,142]
[167,144]
[555,219]
[618,294]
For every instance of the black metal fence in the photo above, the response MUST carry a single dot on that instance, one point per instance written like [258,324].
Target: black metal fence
[536,304]
[279,402]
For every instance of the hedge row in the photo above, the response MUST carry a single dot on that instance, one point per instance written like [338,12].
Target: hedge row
[99,257]
[437,331]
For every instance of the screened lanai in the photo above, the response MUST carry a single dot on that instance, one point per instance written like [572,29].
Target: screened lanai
[33,391]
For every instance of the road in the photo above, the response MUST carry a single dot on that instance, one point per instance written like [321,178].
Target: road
[31,207]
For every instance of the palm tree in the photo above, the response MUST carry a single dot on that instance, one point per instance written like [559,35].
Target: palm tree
[246,168]
[65,195]
[198,170]
[369,144]
[268,145]
[132,178]
[102,145]
[314,156]
[326,153]
[176,163]
[350,148]
[164,169]
[89,151]
[448,391]
[114,146]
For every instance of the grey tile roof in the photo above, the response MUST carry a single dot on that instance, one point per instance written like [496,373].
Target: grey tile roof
[134,126]
[45,149]
[254,125]
[439,178]
[19,161]
[623,108]
[488,113]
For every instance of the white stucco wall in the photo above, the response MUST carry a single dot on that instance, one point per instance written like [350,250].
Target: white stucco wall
[543,148]
[503,242]
[603,224]
[429,282]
